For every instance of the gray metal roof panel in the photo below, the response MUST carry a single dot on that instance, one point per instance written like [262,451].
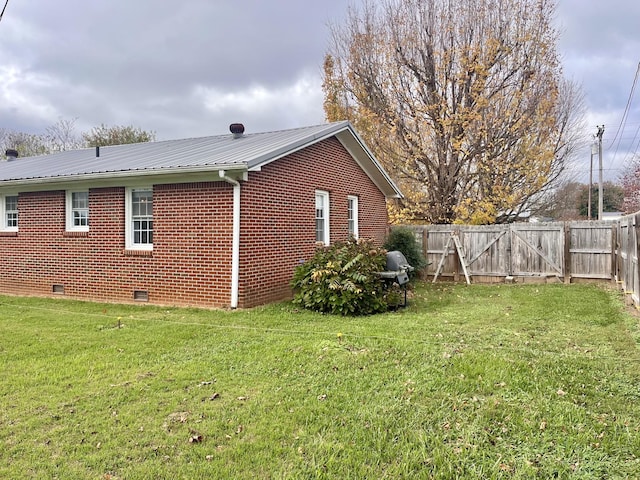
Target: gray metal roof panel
[215,151]
[186,155]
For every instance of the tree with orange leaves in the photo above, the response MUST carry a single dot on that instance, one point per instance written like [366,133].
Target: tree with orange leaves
[463,102]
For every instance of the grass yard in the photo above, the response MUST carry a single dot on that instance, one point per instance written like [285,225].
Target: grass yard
[508,381]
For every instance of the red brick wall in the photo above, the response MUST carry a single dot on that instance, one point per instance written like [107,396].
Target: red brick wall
[189,265]
[278,215]
[191,259]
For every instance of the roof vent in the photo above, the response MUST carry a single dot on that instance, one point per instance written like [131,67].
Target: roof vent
[11,154]
[237,129]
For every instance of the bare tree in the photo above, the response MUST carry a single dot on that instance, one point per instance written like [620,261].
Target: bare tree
[62,135]
[462,100]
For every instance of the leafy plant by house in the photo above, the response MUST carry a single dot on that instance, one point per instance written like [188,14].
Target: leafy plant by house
[343,279]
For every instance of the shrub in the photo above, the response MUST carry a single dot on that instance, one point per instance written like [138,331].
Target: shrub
[404,240]
[343,279]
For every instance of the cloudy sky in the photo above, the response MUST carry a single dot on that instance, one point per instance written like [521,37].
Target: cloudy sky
[191,67]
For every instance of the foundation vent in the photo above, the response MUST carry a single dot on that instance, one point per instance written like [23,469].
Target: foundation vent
[141,295]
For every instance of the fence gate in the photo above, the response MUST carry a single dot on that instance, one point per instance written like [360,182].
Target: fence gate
[537,250]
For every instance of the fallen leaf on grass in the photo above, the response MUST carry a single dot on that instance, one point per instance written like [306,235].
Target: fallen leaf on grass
[173,418]
[195,438]
[561,392]
[178,417]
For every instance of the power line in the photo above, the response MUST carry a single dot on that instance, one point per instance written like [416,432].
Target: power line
[623,120]
[3,9]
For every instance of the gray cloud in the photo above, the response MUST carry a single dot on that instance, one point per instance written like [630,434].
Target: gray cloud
[159,64]
[190,68]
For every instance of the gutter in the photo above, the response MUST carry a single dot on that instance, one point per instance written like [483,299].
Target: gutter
[117,177]
[235,242]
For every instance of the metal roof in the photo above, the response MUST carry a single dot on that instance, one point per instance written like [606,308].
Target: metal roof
[187,156]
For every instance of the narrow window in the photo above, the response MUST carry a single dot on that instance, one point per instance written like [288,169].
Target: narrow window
[139,212]
[78,211]
[11,212]
[322,217]
[352,215]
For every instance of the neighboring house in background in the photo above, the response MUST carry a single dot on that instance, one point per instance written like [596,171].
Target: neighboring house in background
[612,216]
[217,221]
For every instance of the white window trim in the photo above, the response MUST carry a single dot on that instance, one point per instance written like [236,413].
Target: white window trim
[128,228]
[69,212]
[3,214]
[325,195]
[356,217]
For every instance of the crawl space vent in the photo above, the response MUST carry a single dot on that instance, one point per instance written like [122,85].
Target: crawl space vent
[141,295]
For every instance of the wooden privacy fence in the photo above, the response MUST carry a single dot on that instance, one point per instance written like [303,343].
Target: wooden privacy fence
[627,273]
[556,251]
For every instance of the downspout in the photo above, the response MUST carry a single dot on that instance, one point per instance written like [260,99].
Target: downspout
[235,242]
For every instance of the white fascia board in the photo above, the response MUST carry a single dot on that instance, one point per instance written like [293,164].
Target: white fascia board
[124,179]
[258,163]
[363,156]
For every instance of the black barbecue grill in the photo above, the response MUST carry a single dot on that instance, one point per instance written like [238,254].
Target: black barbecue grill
[397,271]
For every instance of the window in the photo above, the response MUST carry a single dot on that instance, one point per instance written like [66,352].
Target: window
[322,217]
[9,208]
[139,213]
[78,211]
[352,215]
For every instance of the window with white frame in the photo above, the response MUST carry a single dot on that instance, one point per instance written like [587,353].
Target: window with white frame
[78,211]
[9,210]
[139,215]
[322,217]
[352,215]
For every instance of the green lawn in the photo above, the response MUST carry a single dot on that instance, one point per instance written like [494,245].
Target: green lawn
[509,381]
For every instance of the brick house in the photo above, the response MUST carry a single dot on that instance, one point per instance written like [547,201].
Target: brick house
[217,221]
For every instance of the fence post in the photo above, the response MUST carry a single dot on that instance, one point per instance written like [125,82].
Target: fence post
[614,251]
[508,251]
[567,253]
[456,268]
[425,250]
[636,222]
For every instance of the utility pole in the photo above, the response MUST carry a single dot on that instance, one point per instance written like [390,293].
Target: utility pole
[594,150]
[600,202]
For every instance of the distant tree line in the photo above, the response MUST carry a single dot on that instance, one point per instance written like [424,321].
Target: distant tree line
[63,136]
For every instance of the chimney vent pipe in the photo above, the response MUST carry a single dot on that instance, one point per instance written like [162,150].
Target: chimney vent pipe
[11,154]
[237,129]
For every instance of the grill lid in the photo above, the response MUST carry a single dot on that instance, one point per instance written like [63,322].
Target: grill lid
[397,261]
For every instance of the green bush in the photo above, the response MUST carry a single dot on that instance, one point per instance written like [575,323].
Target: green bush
[404,240]
[343,279]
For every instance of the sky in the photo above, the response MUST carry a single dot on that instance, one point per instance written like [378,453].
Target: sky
[190,68]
